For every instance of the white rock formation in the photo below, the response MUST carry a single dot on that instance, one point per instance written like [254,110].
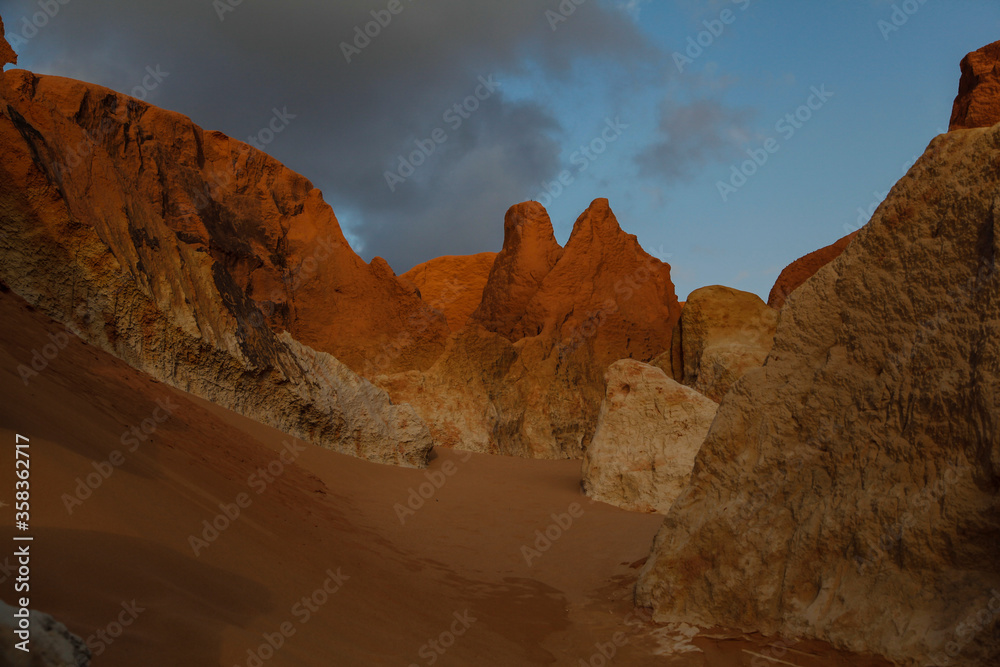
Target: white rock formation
[648,432]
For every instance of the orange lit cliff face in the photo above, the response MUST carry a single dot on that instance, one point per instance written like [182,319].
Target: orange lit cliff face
[177,205]
[193,257]
[7,55]
[525,376]
[803,269]
[602,287]
[453,284]
[978,101]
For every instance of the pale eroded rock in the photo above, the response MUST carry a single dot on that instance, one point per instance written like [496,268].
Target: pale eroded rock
[848,490]
[648,432]
[50,643]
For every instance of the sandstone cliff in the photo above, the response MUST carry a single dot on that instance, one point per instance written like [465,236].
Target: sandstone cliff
[178,250]
[722,333]
[803,269]
[7,55]
[453,284]
[978,101]
[648,432]
[525,376]
[848,490]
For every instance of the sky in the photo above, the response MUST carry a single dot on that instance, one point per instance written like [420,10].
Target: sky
[731,136]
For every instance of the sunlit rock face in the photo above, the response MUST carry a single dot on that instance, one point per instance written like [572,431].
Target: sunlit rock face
[978,101]
[525,377]
[201,261]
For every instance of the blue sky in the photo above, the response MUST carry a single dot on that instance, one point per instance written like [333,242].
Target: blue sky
[606,65]
[890,98]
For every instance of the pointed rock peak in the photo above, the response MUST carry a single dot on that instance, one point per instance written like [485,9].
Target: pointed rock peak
[528,223]
[978,101]
[7,55]
[529,252]
[381,267]
[597,222]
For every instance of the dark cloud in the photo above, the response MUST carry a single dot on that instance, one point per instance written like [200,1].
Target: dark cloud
[353,120]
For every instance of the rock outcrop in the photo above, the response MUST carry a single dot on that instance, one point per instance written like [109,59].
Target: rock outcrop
[848,490]
[529,253]
[525,377]
[453,284]
[648,432]
[978,101]
[805,268]
[51,644]
[193,256]
[722,333]
[602,287]
[7,55]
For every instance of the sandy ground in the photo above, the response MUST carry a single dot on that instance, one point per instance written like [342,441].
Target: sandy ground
[320,560]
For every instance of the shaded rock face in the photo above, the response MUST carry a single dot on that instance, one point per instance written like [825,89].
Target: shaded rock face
[803,269]
[722,333]
[525,377]
[978,101]
[7,55]
[51,644]
[186,253]
[848,490]
[648,432]
[453,284]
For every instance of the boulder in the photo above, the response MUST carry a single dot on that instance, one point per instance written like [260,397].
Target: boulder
[51,644]
[849,489]
[722,333]
[648,432]
[978,101]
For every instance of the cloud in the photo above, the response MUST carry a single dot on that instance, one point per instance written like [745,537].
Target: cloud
[230,67]
[692,135]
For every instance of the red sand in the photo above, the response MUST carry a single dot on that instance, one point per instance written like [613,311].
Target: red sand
[404,582]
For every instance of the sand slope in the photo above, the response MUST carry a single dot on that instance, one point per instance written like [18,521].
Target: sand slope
[404,581]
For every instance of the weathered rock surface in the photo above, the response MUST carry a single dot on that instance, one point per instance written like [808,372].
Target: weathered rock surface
[848,490]
[178,250]
[803,269]
[648,432]
[722,333]
[525,377]
[978,101]
[51,644]
[7,55]
[453,284]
